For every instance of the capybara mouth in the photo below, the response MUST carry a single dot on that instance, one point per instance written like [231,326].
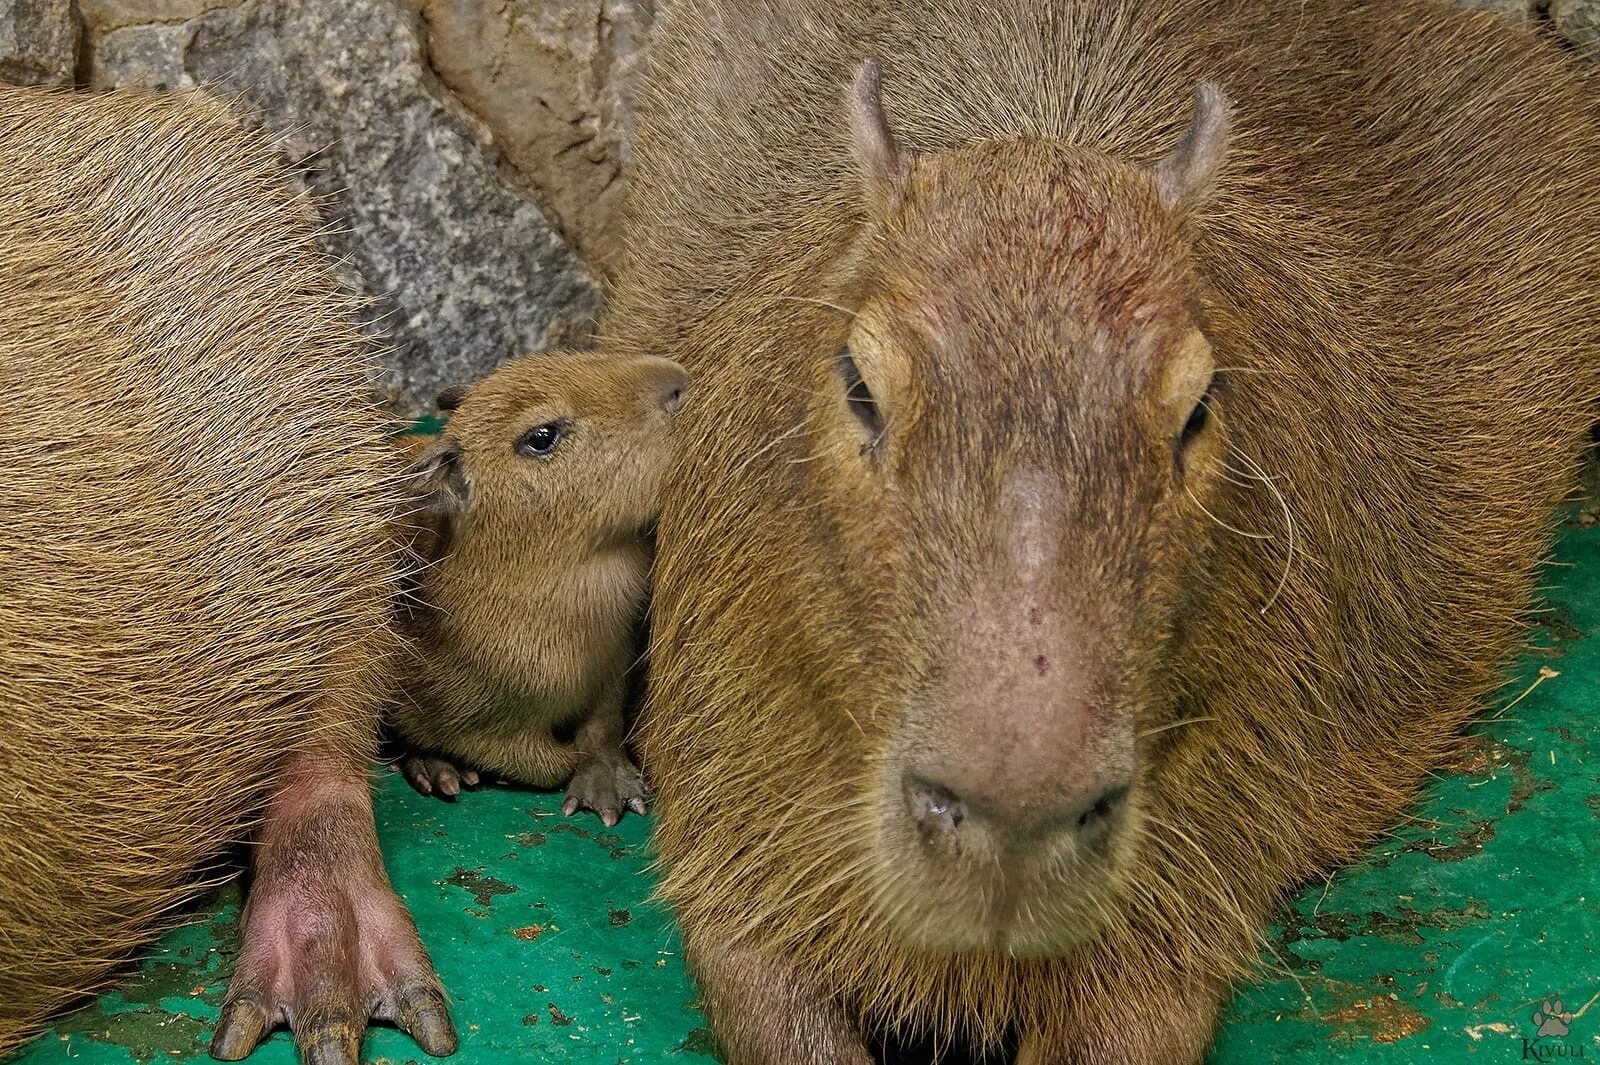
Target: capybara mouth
[964,885]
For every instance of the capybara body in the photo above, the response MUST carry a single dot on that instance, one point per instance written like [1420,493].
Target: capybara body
[532,519]
[1104,501]
[197,572]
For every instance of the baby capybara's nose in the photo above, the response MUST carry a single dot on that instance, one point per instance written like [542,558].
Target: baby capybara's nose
[1088,814]
[666,383]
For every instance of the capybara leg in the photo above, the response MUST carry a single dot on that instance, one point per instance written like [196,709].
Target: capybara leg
[764,1014]
[327,944]
[606,780]
[432,775]
[1128,1020]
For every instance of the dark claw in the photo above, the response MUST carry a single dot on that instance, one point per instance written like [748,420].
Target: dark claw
[239,1030]
[469,777]
[423,1016]
[449,783]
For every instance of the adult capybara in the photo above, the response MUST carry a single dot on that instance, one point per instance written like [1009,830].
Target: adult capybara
[1121,455]
[531,522]
[196,575]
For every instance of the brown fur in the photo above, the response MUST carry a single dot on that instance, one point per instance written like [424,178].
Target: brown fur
[1282,627]
[194,560]
[537,568]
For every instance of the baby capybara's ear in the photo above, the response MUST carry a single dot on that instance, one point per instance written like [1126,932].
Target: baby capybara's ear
[451,396]
[437,479]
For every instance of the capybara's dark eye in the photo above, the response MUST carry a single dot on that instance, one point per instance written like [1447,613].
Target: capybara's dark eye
[540,440]
[860,400]
[1198,418]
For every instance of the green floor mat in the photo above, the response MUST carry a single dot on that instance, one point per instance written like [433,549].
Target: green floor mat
[1451,942]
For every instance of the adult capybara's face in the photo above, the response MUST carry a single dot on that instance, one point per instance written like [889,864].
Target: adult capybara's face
[1015,439]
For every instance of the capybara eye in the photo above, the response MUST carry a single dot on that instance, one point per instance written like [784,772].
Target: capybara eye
[1198,419]
[540,440]
[860,400]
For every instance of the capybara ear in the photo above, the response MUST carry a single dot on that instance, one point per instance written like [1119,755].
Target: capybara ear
[884,167]
[451,396]
[1186,172]
[438,479]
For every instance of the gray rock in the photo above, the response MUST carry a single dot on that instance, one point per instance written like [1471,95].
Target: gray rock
[553,79]
[1578,22]
[38,42]
[1519,9]
[464,268]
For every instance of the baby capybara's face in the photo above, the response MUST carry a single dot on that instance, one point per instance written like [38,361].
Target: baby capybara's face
[1018,471]
[567,444]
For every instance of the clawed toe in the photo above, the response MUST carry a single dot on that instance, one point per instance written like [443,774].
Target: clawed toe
[421,1013]
[239,1030]
[437,776]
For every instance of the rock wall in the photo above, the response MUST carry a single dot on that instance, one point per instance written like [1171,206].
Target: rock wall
[473,152]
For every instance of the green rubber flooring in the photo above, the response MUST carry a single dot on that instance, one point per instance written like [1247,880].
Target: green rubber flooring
[1440,947]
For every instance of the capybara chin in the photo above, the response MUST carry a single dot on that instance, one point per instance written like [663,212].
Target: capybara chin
[1126,434]
[531,526]
[197,574]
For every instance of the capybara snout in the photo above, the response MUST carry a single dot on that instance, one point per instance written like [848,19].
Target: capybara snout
[1010,773]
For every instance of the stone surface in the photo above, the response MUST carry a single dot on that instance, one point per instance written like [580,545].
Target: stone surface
[1578,23]
[464,268]
[1516,8]
[38,42]
[553,80]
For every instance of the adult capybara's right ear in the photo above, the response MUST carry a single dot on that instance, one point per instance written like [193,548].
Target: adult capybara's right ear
[1185,174]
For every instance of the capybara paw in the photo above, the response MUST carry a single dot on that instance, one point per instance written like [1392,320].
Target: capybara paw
[607,788]
[432,775]
[325,959]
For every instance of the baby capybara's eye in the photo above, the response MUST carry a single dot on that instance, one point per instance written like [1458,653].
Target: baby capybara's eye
[541,440]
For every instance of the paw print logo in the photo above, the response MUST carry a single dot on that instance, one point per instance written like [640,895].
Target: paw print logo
[1552,1020]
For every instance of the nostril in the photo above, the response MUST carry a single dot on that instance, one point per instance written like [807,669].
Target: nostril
[1103,809]
[672,400]
[934,808]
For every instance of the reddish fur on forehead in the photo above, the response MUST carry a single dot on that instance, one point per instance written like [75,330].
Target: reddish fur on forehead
[1083,241]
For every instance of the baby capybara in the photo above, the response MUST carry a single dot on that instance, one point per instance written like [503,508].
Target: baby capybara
[531,524]
[1121,456]
[197,575]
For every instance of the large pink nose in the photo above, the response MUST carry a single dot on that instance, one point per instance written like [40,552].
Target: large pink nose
[1023,738]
